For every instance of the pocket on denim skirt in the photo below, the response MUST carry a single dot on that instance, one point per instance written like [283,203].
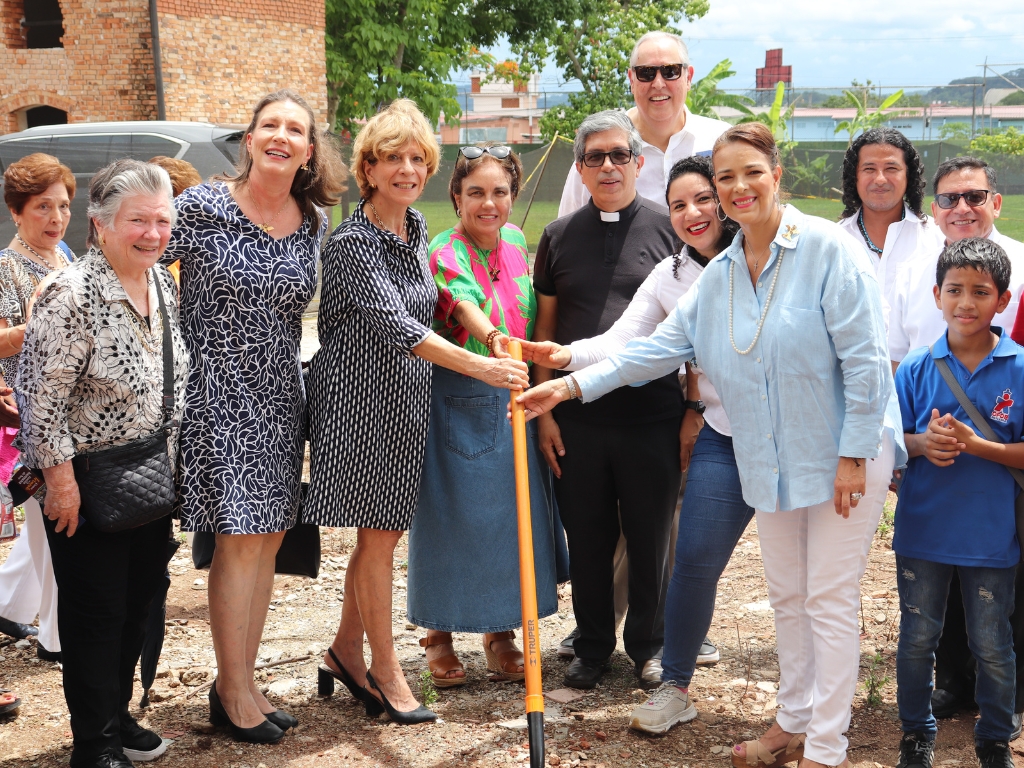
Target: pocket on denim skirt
[471,425]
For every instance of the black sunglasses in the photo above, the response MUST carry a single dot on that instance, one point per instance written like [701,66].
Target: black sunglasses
[974,198]
[646,74]
[472,153]
[617,156]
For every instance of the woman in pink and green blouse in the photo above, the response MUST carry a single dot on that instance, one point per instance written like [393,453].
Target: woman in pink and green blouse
[463,550]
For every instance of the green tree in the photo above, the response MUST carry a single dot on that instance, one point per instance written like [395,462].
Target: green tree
[955,132]
[704,93]
[867,117]
[1008,142]
[1014,99]
[777,118]
[590,40]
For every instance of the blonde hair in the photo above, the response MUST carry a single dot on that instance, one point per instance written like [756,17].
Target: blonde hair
[388,131]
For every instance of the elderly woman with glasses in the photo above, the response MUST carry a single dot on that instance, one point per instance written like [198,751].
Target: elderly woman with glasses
[468,489]
[369,405]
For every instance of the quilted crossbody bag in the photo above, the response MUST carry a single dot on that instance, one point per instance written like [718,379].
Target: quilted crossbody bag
[132,484]
[989,434]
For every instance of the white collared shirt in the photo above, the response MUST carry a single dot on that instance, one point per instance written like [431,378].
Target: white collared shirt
[697,137]
[915,321]
[906,241]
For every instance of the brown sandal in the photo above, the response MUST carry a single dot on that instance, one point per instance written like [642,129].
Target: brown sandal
[441,666]
[505,664]
[757,754]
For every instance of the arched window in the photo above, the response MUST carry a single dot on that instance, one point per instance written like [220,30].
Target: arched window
[44,24]
[35,116]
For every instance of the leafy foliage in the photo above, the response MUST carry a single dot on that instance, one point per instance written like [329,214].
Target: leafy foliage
[777,118]
[1008,142]
[1014,99]
[590,40]
[811,178]
[867,117]
[704,93]
[955,132]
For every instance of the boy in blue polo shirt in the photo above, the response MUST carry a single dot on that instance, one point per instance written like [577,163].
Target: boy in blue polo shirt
[956,505]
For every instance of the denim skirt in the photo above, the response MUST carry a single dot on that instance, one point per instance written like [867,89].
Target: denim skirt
[464,540]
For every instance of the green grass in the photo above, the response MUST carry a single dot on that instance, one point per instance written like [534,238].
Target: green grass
[440,215]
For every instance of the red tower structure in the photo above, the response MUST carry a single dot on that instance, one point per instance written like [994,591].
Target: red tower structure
[774,71]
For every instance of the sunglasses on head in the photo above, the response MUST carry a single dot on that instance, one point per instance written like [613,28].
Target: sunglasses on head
[973,198]
[646,74]
[617,156]
[472,153]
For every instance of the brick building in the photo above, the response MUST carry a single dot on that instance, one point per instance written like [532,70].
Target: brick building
[92,60]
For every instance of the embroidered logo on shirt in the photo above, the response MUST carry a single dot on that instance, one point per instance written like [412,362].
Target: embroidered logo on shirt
[1001,412]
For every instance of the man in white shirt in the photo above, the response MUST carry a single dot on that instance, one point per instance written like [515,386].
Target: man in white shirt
[659,77]
[966,204]
[883,189]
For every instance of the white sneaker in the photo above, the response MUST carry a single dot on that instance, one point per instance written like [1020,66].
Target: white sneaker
[666,707]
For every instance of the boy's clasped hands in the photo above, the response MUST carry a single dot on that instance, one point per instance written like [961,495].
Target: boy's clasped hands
[946,438]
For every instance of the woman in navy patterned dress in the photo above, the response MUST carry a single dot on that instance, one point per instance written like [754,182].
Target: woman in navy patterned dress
[370,393]
[248,247]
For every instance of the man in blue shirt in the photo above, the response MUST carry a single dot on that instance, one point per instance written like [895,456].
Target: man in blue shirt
[956,506]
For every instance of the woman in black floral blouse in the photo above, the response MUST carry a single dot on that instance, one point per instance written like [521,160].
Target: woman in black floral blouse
[91,377]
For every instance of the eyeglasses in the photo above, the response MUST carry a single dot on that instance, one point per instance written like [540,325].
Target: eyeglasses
[617,156]
[973,198]
[646,74]
[472,153]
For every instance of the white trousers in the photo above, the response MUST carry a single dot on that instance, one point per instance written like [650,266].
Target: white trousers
[27,586]
[813,561]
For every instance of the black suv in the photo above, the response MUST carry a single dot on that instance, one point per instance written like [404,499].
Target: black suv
[87,147]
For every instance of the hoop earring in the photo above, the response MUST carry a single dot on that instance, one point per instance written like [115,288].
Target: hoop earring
[458,212]
[719,212]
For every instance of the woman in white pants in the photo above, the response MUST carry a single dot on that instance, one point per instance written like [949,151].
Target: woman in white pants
[787,322]
[27,586]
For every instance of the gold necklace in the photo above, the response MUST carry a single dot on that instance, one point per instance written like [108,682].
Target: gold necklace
[753,272]
[400,233]
[266,226]
[485,256]
[38,255]
[136,324]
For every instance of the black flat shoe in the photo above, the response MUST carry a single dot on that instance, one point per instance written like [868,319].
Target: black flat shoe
[419,715]
[282,719]
[325,677]
[264,733]
[16,630]
[44,655]
[584,673]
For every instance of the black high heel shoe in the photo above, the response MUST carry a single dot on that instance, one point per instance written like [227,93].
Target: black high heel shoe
[325,677]
[264,733]
[281,719]
[419,715]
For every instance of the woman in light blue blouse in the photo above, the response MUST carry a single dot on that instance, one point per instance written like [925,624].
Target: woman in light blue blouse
[787,323]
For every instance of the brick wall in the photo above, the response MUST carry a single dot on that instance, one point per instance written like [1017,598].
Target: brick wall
[219,57]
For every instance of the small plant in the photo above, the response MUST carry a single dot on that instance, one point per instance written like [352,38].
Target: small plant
[428,693]
[875,681]
[888,517]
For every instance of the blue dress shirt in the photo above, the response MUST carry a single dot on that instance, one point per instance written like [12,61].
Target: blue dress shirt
[815,386]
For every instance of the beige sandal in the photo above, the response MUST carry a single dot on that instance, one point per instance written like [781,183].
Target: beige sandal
[505,664]
[441,666]
[757,754]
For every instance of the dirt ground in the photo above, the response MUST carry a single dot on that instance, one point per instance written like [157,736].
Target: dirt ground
[735,698]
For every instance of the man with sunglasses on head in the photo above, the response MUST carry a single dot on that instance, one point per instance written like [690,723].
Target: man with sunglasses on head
[966,204]
[659,77]
[616,459]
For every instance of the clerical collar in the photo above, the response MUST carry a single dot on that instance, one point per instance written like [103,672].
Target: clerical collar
[605,216]
[610,217]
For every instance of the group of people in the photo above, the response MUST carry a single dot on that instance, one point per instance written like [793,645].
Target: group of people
[780,367]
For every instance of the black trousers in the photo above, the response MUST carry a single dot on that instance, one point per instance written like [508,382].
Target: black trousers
[105,584]
[612,473]
[955,668]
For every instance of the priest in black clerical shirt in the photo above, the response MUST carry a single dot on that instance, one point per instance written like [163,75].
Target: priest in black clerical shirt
[616,459]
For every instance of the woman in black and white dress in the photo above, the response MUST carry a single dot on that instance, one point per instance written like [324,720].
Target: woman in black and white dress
[370,393]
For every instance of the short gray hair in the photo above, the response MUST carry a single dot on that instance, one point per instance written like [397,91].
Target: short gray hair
[608,120]
[122,179]
[684,52]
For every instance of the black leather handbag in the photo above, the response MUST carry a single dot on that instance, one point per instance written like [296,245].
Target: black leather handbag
[132,484]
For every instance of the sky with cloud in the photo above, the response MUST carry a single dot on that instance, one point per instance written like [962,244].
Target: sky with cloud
[830,42]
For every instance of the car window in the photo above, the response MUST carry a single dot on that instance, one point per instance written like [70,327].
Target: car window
[145,147]
[12,151]
[229,144]
[83,153]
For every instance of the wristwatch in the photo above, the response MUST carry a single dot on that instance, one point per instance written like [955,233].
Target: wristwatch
[697,405]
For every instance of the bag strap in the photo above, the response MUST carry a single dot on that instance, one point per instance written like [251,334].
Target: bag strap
[168,345]
[975,415]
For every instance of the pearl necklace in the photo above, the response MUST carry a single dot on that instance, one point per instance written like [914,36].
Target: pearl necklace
[764,312]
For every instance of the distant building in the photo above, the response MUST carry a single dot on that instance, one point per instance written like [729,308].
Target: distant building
[92,60]
[771,74]
[496,110]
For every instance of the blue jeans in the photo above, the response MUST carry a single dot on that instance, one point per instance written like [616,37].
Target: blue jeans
[988,602]
[711,521]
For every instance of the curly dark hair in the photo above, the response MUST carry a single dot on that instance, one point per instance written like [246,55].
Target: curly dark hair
[915,169]
[703,167]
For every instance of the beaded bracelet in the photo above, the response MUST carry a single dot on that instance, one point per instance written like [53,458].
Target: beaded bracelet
[570,382]
[490,337]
